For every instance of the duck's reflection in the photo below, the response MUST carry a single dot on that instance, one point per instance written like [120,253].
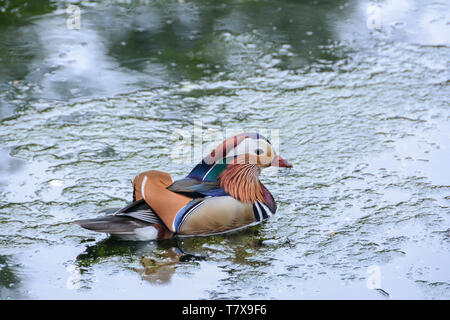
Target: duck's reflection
[159,260]
[160,272]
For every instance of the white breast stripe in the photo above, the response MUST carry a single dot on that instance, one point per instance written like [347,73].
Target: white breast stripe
[143,188]
[259,212]
[270,213]
[263,212]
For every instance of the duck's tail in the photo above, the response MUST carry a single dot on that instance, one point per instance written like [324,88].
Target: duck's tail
[136,221]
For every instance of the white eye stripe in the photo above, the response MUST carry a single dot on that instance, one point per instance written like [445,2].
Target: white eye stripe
[250,146]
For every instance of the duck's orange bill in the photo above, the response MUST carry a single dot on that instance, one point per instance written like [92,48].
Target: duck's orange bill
[280,162]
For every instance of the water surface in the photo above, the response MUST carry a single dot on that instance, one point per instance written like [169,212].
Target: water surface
[362,112]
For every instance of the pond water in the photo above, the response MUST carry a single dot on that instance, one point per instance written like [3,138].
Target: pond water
[355,93]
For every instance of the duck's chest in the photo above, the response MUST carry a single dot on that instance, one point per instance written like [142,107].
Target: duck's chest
[219,214]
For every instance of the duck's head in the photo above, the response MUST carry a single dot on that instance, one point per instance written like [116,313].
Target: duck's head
[246,148]
[236,164]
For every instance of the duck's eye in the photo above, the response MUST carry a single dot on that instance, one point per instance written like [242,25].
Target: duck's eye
[259,151]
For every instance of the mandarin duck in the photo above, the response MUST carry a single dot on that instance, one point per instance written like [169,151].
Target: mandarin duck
[222,193]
